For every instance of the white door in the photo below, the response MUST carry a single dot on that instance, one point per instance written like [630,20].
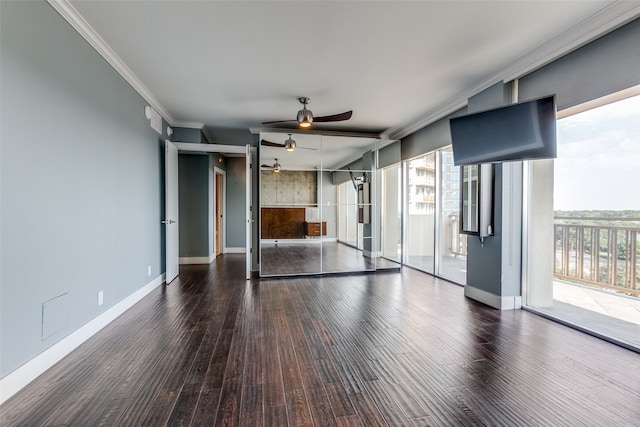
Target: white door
[248,214]
[171,210]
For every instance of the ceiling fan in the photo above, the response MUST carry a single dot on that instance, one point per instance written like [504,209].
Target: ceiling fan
[305,116]
[275,167]
[288,145]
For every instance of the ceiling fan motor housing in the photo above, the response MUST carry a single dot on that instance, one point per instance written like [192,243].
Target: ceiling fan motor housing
[305,116]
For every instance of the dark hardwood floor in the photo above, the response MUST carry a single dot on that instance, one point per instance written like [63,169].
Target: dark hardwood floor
[309,257]
[400,349]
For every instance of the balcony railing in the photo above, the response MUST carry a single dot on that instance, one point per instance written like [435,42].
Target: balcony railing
[457,242]
[600,252]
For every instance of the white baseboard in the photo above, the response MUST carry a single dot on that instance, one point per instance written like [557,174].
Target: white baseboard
[18,379]
[197,259]
[308,240]
[492,300]
[239,250]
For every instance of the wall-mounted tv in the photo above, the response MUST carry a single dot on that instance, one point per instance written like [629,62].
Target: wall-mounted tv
[523,131]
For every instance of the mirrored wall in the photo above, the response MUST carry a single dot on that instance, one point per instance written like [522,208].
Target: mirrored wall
[318,205]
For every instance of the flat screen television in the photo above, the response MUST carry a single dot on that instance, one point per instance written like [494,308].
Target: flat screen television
[523,131]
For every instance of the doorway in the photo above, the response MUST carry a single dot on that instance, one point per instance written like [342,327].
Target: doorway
[219,198]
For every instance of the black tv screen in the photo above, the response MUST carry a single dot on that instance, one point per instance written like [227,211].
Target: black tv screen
[523,131]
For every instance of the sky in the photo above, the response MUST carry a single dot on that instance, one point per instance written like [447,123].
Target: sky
[598,164]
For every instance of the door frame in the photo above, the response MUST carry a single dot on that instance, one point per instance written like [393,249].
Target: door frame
[172,208]
[190,147]
[220,198]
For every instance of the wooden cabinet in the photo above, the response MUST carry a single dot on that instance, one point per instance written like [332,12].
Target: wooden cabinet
[283,223]
[315,228]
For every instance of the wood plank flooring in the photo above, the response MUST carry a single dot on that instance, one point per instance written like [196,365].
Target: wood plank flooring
[313,257]
[399,349]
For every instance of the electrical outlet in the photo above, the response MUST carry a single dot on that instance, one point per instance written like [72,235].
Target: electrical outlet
[149,270]
[100,298]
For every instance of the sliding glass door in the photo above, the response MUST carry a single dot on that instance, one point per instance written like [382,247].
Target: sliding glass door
[452,245]
[432,239]
[420,212]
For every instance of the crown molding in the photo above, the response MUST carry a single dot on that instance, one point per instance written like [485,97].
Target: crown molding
[437,113]
[189,125]
[207,135]
[73,17]
[607,19]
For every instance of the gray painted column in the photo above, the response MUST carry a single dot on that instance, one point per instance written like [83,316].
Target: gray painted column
[494,267]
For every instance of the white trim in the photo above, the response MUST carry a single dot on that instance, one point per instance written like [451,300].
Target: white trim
[75,19]
[492,300]
[329,239]
[372,254]
[309,240]
[239,250]
[190,125]
[607,19]
[18,379]
[223,197]
[197,259]
[598,102]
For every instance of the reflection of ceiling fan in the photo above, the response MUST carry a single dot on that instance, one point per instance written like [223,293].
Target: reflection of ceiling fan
[289,144]
[275,167]
[305,117]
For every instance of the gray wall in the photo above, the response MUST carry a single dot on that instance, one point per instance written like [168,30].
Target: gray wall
[81,183]
[188,135]
[194,194]
[606,65]
[429,138]
[389,155]
[494,266]
[236,201]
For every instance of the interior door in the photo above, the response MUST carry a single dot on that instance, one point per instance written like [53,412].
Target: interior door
[171,210]
[248,214]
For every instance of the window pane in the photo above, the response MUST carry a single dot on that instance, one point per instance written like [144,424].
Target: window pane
[420,212]
[596,229]
[391,215]
[452,245]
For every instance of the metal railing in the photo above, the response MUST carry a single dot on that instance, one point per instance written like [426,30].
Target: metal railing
[457,241]
[594,252]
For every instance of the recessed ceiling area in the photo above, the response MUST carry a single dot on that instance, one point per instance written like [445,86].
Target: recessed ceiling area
[314,152]
[231,65]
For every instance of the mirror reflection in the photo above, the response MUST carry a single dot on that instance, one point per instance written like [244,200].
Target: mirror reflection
[470,189]
[317,204]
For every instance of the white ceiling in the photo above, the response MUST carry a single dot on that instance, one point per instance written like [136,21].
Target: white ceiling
[230,65]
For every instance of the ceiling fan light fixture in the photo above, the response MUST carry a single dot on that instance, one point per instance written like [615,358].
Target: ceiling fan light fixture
[276,167]
[289,144]
[305,118]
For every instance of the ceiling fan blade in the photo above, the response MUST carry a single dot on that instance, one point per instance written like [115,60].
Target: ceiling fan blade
[279,121]
[271,144]
[267,166]
[305,148]
[334,118]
